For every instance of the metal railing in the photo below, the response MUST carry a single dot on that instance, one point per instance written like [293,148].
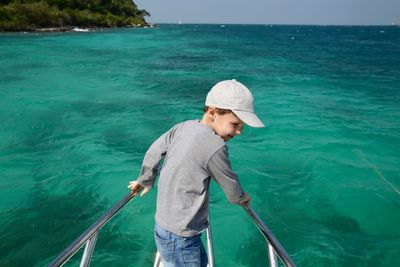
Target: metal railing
[274,247]
[89,237]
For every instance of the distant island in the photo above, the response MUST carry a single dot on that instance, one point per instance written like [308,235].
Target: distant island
[64,15]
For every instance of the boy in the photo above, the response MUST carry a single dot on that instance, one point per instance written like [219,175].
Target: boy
[193,151]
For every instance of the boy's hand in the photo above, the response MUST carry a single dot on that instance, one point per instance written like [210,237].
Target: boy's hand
[132,185]
[245,199]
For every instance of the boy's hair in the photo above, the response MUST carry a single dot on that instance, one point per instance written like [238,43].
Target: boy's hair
[220,111]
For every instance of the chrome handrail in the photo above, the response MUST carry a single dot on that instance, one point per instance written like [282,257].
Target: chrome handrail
[271,239]
[90,235]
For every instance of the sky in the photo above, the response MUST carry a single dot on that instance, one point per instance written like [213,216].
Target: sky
[320,12]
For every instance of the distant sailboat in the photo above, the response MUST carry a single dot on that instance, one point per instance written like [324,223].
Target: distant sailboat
[180,21]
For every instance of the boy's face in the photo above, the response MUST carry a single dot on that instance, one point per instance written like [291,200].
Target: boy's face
[227,125]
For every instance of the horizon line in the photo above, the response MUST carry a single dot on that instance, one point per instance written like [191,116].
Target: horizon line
[272,24]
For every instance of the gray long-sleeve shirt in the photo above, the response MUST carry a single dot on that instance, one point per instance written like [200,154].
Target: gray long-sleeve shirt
[192,153]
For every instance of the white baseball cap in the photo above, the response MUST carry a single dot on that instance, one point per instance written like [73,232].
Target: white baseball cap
[233,95]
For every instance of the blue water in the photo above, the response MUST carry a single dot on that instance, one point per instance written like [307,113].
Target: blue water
[78,111]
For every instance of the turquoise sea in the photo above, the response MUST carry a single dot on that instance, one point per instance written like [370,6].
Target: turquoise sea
[78,111]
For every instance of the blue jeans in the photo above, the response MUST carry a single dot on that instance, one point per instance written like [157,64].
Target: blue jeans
[178,251]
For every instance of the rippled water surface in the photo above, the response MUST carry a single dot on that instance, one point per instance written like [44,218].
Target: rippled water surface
[78,111]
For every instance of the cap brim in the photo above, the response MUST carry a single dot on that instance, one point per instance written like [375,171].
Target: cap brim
[249,118]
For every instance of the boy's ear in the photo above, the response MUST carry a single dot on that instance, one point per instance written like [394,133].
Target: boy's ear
[211,111]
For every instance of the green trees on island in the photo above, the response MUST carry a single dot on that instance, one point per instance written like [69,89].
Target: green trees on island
[27,15]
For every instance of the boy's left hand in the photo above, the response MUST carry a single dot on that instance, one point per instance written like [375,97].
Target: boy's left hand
[133,184]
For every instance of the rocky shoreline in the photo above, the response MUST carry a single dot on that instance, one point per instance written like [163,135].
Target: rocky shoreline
[53,29]
[79,29]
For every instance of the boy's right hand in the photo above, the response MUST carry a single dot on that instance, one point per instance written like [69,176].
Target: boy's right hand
[133,184]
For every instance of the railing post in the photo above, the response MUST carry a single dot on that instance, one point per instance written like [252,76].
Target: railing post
[88,252]
[273,261]
[157,261]
[210,247]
